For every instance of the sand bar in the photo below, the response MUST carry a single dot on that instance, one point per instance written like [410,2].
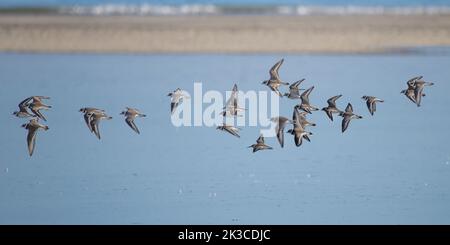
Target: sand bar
[221,34]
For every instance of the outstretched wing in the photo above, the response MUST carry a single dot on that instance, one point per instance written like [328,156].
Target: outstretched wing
[298,119]
[418,94]
[305,95]
[332,101]
[277,91]
[345,123]
[260,140]
[25,103]
[31,139]
[410,95]
[349,108]
[280,136]
[173,106]
[370,104]
[87,118]
[132,125]
[296,84]
[281,123]
[94,125]
[295,116]
[329,114]
[232,131]
[274,70]
[233,100]
[298,139]
[38,114]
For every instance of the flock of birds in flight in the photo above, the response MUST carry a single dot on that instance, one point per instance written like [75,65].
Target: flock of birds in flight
[32,106]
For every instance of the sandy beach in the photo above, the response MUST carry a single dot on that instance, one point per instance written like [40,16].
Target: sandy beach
[221,34]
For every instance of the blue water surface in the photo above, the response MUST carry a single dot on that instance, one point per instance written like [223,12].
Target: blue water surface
[391,168]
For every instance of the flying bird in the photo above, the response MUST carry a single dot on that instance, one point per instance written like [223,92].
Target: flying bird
[94,120]
[371,103]
[279,129]
[410,92]
[300,116]
[232,108]
[298,131]
[23,109]
[37,105]
[347,116]
[260,145]
[87,115]
[177,97]
[275,82]
[332,108]
[32,128]
[305,105]
[230,129]
[418,90]
[294,91]
[130,114]
[92,117]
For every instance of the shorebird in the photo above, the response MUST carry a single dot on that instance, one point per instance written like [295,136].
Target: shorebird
[32,128]
[130,114]
[332,108]
[410,92]
[418,90]
[94,121]
[294,90]
[305,105]
[275,82]
[177,97]
[260,145]
[371,103]
[23,112]
[298,131]
[230,129]
[232,108]
[279,129]
[347,116]
[87,115]
[303,121]
[37,105]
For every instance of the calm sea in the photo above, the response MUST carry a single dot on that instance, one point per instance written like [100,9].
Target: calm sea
[391,168]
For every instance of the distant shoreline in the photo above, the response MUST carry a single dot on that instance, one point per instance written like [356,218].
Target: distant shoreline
[274,9]
[248,34]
